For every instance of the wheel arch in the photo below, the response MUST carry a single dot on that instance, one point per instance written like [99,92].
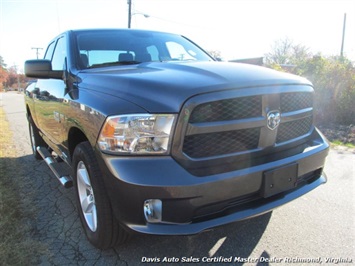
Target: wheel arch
[28,112]
[75,136]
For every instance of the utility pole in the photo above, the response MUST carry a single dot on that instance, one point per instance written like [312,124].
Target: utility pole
[37,48]
[129,2]
[342,41]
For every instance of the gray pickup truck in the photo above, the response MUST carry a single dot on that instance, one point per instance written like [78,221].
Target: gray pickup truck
[157,137]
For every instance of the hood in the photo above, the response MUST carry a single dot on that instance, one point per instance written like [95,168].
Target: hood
[165,86]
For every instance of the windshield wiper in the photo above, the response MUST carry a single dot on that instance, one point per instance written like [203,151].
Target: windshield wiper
[118,63]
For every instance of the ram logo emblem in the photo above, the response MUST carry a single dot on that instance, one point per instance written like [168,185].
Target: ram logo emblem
[273,119]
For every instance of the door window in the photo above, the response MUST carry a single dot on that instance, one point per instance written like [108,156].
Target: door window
[49,51]
[59,55]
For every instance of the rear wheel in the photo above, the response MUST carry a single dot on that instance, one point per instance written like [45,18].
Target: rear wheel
[101,227]
[36,139]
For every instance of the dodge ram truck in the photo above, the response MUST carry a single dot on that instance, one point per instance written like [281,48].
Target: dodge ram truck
[158,137]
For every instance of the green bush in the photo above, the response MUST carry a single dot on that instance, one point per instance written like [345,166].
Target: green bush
[334,84]
[333,79]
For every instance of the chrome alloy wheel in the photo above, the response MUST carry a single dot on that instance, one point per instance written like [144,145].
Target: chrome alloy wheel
[86,196]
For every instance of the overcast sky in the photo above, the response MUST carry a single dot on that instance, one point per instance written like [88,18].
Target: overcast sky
[236,28]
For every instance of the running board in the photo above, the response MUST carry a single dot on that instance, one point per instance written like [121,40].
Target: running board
[60,169]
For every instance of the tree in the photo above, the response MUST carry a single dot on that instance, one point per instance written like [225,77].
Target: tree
[3,73]
[280,52]
[334,82]
[216,54]
[333,79]
[284,53]
[14,79]
[2,63]
[9,78]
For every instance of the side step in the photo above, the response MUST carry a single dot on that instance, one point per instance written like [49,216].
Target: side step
[60,170]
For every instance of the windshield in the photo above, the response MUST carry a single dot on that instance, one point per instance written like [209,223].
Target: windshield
[99,48]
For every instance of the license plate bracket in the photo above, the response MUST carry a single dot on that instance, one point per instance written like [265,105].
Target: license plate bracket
[279,180]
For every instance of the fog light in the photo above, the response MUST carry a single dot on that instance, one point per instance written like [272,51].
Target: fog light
[153,210]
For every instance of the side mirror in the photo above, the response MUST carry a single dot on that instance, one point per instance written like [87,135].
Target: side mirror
[41,69]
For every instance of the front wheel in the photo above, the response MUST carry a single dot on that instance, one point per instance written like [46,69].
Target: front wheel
[101,228]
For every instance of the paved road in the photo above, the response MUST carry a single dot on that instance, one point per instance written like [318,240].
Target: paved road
[320,224]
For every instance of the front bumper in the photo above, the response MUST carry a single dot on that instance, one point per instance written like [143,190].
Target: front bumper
[191,204]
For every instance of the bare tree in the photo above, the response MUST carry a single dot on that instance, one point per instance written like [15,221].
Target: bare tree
[285,52]
[215,54]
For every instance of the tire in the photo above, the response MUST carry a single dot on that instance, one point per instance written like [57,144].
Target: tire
[36,139]
[94,208]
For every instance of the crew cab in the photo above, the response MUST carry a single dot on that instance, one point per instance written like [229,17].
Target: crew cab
[158,137]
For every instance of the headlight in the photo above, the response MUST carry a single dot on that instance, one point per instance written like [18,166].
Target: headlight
[137,134]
